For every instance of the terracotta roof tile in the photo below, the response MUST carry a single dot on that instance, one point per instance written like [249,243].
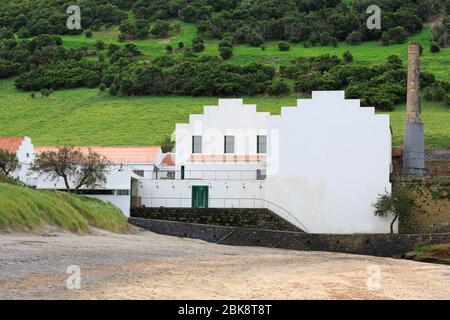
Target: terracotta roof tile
[169,160]
[119,155]
[11,144]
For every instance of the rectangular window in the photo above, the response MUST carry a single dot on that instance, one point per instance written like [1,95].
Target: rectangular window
[261,144]
[196,144]
[229,144]
[122,192]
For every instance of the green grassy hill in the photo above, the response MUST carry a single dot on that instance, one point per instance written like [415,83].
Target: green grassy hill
[23,208]
[366,53]
[88,116]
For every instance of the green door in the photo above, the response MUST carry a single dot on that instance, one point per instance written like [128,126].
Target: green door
[199,196]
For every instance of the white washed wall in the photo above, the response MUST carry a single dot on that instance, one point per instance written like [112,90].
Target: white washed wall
[230,117]
[178,193]
[333,160]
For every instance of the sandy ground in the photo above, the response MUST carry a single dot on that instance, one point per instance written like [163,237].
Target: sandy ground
[151,266]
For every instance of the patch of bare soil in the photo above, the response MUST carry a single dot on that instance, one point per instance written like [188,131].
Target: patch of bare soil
[151,266]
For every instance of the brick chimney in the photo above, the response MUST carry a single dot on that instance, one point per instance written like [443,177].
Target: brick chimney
[413,145]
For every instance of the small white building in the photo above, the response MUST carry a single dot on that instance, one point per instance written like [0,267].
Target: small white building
[24,151]
[128,165]
[320,165]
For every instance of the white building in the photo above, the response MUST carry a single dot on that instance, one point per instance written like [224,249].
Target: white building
[24,151]
[128,165]
[321,164]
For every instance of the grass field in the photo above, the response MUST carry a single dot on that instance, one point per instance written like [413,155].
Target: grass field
[23,208]
[90,117]
[366,53]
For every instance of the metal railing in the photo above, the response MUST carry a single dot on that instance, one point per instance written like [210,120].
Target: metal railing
[256,174]
[242,203]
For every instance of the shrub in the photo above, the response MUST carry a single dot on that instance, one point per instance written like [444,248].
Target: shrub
[198,44]
[169,49]
[394,60]
[397,35]
[398,203]
[255,40]
[160,29]
[355,37]
[385,40]
[226,52]
[283,46]
[23,33]
[88,33]
[434,47]
[348,57]
[100,45]
[278,87]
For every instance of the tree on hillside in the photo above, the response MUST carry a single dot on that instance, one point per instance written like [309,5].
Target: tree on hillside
[76,168]
[8,162]
[397,203]
[167,144]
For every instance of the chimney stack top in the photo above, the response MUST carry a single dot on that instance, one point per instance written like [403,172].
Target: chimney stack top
[414,48]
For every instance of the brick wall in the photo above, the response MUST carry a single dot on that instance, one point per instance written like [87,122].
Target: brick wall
[437,162]
[432,211]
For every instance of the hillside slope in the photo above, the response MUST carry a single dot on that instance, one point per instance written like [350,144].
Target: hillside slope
[23,208]
[90,117]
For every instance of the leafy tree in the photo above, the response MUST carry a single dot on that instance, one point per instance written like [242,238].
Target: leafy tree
[77,169]
[160,29]
[167,144]
[41,27]
[169,49]
[181,45]
[398,203]
[8,163]
[88,33]
[198,44]
[142,28]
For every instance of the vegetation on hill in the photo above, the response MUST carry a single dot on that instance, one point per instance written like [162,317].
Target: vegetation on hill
[91,117]
[319,22]
[140,48]
[23,208]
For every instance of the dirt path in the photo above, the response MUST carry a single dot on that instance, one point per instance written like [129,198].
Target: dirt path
[151,266]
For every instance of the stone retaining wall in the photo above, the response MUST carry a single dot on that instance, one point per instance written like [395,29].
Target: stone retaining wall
[233,217]
[369,244]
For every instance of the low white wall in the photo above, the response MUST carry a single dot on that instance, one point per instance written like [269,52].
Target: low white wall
[178,193]
[122,202]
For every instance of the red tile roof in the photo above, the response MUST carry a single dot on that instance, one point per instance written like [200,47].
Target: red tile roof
[226,158]
[119,155]
[169,160]
[11,144]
